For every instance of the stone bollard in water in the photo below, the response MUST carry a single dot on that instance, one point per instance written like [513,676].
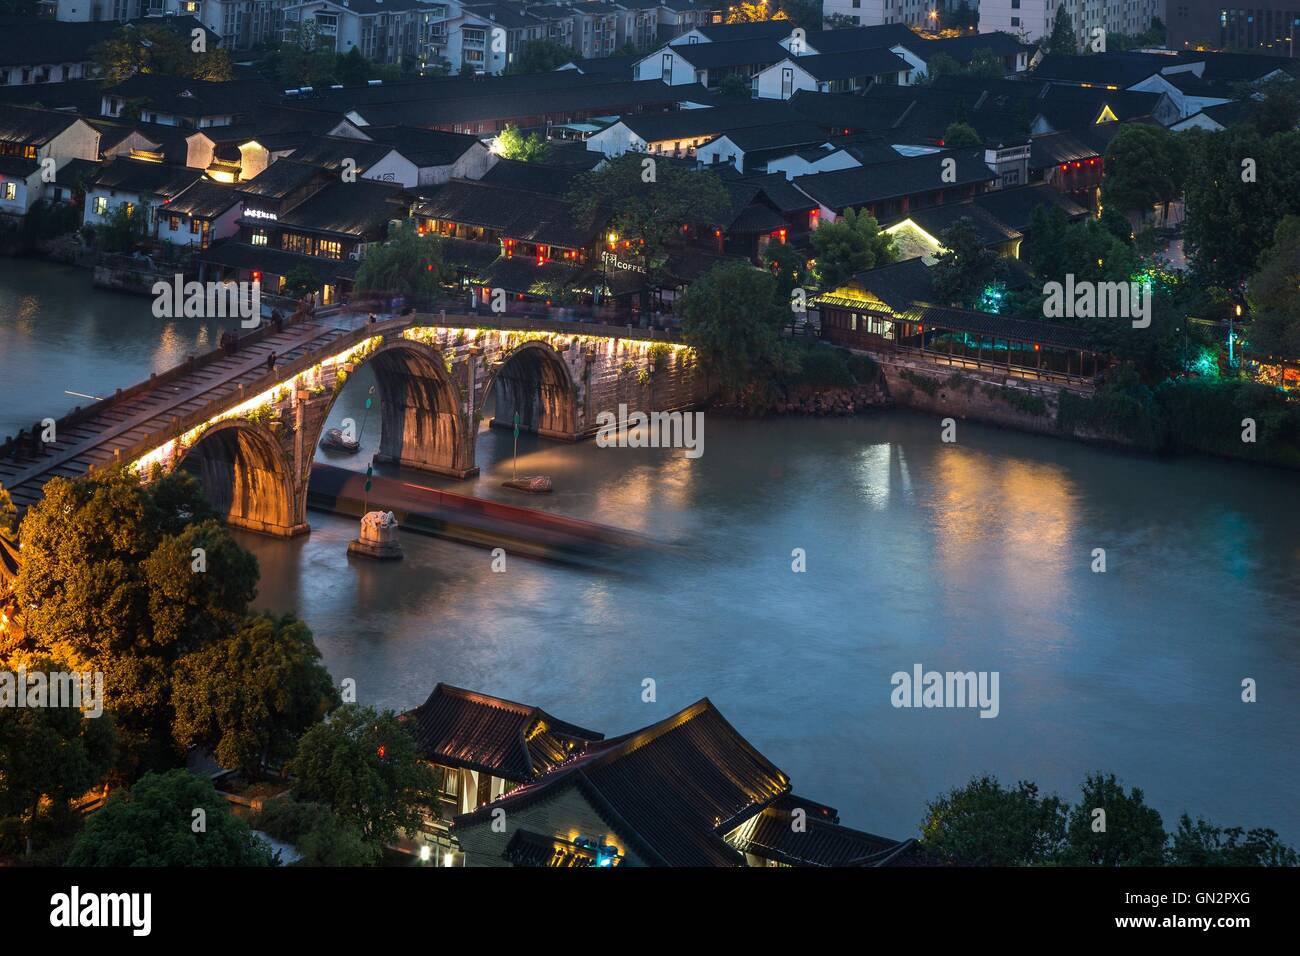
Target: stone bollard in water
[378,537]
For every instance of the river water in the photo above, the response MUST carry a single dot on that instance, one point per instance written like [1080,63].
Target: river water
[973,556]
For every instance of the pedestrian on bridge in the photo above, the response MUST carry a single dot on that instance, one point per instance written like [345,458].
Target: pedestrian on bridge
[270,362]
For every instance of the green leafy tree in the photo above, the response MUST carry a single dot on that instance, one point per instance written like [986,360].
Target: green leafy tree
[155,824]
[986,824]
[124,228]
[789,266]
[984,64]
[300,281]
[317,833]
[1239,187]
[157,48]
[248,697]
[1133,835]
[108,584]
[48,756]
[301,61]
[1274,295]
[1062,40]
[734,85]
[365,766]
[961,136]
[1202,844]
[1145,165]
[731,317]
[1279,111]
[408,264]
[851,244]
[965,267]
[540,56]
[512,144]
[645,203]
[8,517]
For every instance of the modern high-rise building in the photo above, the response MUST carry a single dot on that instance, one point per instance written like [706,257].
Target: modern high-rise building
[1033,19]
[1267,25]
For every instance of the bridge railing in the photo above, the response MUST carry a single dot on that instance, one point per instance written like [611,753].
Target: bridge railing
[81,413]
[270,379]
[507,323]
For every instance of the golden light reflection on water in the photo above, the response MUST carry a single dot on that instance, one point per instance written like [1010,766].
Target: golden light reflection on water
[1007,524]
[631,500]
[883,475]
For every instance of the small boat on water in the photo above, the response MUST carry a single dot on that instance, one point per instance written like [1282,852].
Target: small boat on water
[533,484]
[334,440]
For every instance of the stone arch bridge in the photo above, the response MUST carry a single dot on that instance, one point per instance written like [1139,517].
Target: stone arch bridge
[250,432]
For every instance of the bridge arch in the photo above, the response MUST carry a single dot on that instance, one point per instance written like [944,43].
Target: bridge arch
[421,410]
[536,383]
[245,474]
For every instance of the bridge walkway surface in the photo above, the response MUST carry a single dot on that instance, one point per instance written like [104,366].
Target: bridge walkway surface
[95,437]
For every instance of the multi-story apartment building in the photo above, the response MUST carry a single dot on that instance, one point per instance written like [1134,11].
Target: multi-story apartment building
[1266,26]
[870,13]
[1033,19]
[241,24]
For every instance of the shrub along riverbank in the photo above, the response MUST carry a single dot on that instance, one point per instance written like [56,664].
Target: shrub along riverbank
[1231,419]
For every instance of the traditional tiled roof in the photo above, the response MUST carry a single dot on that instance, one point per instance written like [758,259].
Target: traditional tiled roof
[203,200]
[241,255]
[193,98]
[859,38]
[355,209]
[29,41]
[1056,148]
[774,835]
[841,188]
[963,48]
[670,790]
[1023,330]
[900,285]
[424,147]
[527,848]
[33,127]
[762,51]
[140,177]
[329,152]
[531,177]
[517,742]
[841,111]
[758,30]
[1014,207]
[280,179]
[852,63]
[686,124]
[936,220]
[1103,69]
[792,135]
[590,94]
[519,214]
[524,274]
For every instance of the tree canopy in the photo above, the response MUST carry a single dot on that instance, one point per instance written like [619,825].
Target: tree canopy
[540,56]
[108,583]
[1062,39]
[48,756]
[249,696]
[512,144]
[408,265]
[987,824]
[965,267]
[157,48]
[850,244]
[171,819]
[1145,165]
[1274,294]
[731,317]
[364,766]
